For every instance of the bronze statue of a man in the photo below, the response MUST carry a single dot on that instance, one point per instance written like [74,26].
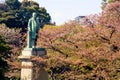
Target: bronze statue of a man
[33,25]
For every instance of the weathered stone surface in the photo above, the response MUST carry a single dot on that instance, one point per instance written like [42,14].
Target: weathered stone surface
[27,64]
[27,52]
[26,74]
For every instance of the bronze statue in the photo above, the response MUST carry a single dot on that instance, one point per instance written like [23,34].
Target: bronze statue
[33,25]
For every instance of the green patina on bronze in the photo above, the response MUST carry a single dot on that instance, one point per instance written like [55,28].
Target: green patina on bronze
[33,26]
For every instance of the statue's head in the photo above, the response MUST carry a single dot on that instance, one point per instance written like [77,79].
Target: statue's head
[34,15]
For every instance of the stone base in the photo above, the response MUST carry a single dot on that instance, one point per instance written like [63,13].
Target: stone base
[27,64]
[27,53]
[26,74]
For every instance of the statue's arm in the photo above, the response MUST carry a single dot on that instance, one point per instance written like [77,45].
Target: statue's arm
[38,23]
[28,34]
[29,25]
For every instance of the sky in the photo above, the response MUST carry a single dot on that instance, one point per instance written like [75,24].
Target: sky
[62,11]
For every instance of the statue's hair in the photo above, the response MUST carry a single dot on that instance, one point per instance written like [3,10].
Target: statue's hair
[34,13]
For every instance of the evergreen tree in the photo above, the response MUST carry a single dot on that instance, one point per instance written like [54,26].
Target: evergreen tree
[13,4]
[4,50]
[17,14]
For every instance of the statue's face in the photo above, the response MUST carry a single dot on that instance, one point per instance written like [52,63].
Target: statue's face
[34,15]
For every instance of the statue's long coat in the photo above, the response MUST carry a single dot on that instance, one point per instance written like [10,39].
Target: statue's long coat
[32,24]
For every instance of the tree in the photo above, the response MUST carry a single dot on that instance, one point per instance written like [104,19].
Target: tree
[111,1]
[105,2]
[3,53]
[111,16]
[76,52]
[13,4]
[17,14]
[27,8]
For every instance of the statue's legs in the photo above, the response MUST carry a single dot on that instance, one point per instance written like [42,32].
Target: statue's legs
[36,40]
[28,40]
[33,43]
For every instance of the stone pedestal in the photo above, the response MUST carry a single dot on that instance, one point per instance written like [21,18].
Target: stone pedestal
[26,62]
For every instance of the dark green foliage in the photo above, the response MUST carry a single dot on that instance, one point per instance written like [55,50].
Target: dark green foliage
[4,48]
[3,64]
[3,68]
[3,7]
[17,14]
[104,3]
[13,4]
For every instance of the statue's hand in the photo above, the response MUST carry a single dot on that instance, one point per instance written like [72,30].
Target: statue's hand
[28,29]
